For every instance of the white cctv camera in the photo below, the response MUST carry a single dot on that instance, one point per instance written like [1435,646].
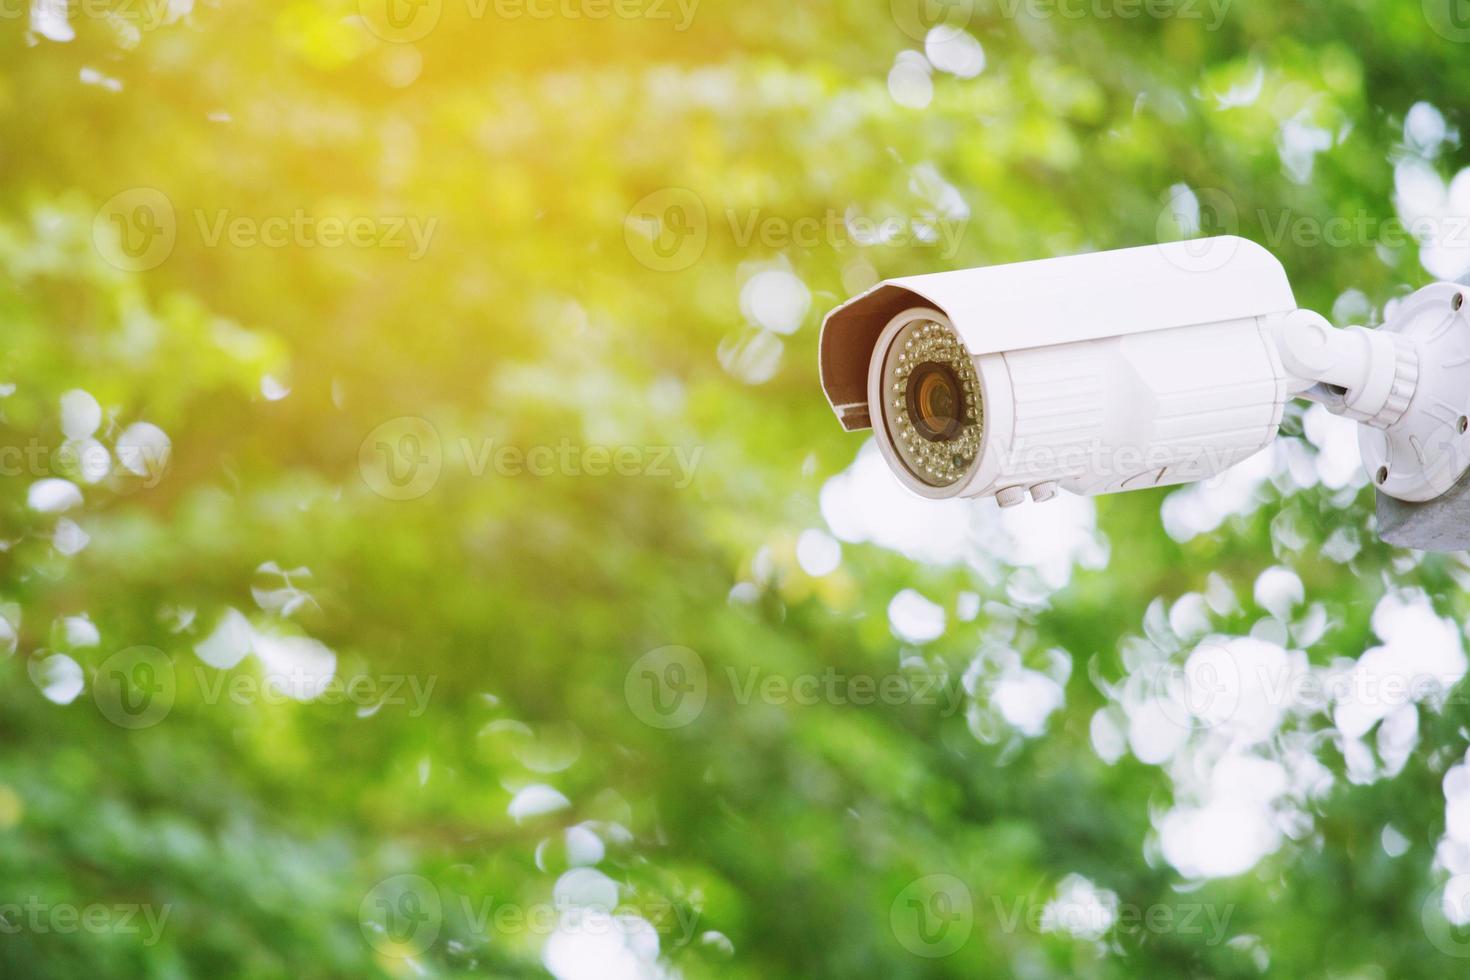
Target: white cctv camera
[1146,367]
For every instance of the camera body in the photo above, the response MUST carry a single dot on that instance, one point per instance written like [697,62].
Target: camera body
[1145,367]
[1092,373]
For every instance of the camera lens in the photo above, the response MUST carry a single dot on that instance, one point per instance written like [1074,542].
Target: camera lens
[936,403]
[932,407]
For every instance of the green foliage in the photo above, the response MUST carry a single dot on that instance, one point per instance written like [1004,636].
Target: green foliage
[507,296]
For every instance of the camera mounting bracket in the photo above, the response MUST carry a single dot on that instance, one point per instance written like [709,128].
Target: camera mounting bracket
[1407,384]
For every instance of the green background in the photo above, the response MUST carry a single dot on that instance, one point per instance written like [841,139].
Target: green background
[766,834]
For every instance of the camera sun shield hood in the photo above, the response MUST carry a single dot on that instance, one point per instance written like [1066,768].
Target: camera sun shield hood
[1056,301]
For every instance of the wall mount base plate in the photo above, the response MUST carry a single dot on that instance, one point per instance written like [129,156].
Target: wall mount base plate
[1441,524]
